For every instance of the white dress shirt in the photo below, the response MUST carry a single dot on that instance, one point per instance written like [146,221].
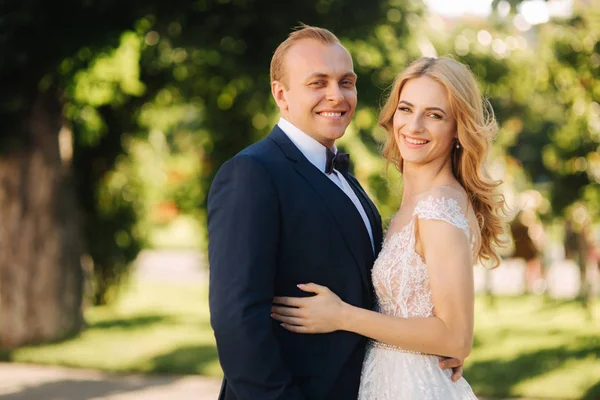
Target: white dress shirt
[316,154]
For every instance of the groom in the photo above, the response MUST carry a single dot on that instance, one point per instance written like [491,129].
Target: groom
[286,211]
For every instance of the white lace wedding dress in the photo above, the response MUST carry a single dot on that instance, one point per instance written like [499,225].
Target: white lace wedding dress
[402,290]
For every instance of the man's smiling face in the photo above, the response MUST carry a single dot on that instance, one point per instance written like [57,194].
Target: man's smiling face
[318,91]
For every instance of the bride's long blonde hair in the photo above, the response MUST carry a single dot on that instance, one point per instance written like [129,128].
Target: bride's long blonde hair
[476,127]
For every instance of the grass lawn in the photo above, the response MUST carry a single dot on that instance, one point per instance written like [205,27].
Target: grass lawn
[154,327]
[531,348]
[523,346]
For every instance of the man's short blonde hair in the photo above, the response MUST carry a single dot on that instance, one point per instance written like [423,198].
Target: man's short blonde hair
[301,32]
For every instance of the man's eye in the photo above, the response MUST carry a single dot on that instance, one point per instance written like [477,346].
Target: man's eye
[317,83]
[348,83]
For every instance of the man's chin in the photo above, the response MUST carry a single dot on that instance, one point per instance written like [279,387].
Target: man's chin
[334,134]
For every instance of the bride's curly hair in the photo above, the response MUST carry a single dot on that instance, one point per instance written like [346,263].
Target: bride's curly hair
[476,127]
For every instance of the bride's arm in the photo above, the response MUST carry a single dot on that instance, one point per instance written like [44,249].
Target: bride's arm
[450,333]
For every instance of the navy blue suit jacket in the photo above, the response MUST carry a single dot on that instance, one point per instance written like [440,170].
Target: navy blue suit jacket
[274,220]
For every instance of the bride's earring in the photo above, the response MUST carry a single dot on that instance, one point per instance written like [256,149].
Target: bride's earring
[457,144]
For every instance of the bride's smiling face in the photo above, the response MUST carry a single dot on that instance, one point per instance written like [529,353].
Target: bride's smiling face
[423,124]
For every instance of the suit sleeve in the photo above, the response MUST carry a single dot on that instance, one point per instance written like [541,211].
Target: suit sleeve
[243,232]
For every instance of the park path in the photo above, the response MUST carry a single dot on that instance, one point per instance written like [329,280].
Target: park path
[34,382]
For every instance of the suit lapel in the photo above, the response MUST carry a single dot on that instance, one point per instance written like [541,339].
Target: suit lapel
[370,209]
[338,204]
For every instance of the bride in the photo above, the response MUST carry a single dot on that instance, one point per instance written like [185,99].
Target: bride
[439,131]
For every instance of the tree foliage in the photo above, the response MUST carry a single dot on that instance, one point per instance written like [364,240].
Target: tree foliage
[194,73]
[189,81]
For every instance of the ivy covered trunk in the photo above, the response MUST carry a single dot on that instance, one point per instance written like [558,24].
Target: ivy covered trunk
[41,278]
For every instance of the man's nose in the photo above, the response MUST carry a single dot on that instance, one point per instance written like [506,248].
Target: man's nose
[334,93]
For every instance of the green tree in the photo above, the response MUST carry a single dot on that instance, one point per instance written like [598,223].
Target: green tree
[42,242]
[568,113]
[544,88]
[75,88]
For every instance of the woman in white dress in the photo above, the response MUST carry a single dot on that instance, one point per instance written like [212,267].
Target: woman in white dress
[439,131]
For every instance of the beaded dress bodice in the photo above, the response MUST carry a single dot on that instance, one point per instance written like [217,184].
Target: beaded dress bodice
[402,290]
[399,274]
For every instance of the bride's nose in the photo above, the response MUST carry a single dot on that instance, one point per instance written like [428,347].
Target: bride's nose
[414,124]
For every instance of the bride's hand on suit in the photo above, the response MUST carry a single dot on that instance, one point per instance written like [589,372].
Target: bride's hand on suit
[325,312]
[322,313]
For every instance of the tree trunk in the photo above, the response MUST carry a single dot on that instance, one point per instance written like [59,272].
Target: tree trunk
[576,249]
[40,242]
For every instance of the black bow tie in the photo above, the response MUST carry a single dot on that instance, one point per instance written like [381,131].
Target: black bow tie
[339,161]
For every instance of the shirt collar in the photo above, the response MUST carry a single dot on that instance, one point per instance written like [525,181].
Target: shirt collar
[314,151]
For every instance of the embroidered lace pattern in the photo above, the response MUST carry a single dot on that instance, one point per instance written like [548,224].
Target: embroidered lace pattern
[399,274]
[402,290]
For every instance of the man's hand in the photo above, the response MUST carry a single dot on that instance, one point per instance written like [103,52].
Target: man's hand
[455,364]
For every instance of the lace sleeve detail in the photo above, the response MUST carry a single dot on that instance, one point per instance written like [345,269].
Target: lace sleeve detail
[442,208]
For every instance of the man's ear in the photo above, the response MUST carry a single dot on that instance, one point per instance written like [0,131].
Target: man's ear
[278,91]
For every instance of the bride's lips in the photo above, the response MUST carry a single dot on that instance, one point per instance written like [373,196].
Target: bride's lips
[414,143]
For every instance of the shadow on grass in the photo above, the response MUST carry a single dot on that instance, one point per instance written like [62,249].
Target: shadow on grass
[593,392]
[184,360]
[115,323]
[130,323]
[498,377]
[6,355]
[72,389]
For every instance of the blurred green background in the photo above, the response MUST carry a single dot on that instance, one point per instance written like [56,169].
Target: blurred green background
[115,116]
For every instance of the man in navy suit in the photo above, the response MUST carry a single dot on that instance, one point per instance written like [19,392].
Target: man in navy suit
[286,211]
